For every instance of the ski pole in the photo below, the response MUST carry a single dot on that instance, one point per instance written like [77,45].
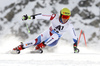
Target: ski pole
[27,28]
[30,17]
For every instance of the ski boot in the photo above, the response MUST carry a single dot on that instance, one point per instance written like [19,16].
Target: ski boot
[76,50]
[17,49]
[38,48]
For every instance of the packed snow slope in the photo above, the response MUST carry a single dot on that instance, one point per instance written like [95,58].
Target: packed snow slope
[62,56]
[50,60]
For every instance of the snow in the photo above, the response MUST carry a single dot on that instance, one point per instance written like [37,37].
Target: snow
[7,2]
[60,55]
[50,60]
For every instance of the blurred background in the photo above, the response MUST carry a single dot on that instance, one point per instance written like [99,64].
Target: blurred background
[85,16]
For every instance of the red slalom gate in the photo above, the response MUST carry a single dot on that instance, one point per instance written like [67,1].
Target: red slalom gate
[83,36]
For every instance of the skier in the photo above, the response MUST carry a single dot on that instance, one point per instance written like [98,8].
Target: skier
[51,36]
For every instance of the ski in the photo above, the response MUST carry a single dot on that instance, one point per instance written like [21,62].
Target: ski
[37,51]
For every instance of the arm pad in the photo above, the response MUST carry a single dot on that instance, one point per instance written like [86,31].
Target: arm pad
[33,16]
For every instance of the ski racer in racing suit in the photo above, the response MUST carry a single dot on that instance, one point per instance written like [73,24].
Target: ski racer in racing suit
[51,36]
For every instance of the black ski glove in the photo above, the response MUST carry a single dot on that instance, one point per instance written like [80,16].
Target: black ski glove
[25,17]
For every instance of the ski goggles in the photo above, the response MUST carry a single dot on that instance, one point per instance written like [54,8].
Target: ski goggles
[65,17]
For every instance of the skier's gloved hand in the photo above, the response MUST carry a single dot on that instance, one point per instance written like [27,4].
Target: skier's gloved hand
[25,17]
[76,50]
